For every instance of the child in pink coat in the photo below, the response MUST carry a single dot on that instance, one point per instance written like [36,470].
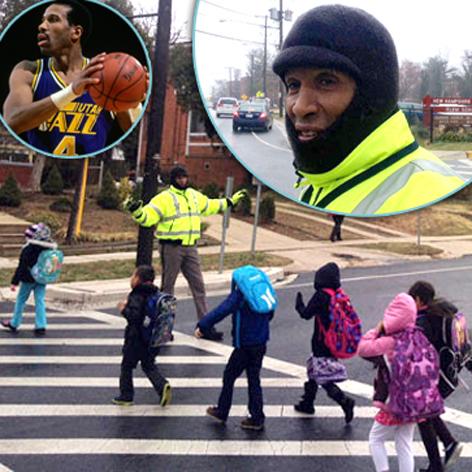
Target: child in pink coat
[399,315]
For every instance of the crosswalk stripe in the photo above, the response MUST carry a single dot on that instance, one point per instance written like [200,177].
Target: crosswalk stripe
[74,326]
[16,341]
[77,360]
[199,447]
[178,382]
[4,468]
[199,410]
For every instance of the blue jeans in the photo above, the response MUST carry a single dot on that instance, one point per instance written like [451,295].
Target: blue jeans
[39,304]
[242,359]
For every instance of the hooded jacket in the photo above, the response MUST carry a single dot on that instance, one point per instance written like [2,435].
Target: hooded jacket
[398,316]
[28,258]
[248,329]
[327,276]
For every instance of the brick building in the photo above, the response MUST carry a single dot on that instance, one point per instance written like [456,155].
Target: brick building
[185,142]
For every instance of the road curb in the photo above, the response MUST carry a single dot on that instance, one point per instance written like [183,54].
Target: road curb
[110,292]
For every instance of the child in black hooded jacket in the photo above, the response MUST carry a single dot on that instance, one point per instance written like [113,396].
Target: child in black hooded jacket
[327,277]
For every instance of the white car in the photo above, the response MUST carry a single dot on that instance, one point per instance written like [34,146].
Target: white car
[226,106]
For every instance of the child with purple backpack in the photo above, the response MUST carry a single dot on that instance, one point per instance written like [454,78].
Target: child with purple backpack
[412,394]
[336,333]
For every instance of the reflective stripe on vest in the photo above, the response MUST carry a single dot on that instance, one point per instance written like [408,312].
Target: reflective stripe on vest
[395,182]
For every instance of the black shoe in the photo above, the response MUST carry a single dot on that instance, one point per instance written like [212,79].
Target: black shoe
[40,331]
[249,423]
[8,325]
[122,401]
[453,452]
[215,414]
[348,408]
[303,407]
[213,335]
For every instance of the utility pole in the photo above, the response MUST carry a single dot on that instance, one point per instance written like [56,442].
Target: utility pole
[281,40]
[264,68]
[155,124]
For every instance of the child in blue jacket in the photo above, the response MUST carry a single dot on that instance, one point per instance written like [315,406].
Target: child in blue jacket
[250,334]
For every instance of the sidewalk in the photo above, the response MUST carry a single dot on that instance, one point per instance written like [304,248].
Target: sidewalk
[305,255]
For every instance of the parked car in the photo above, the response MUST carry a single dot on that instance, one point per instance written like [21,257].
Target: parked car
[226,106]
[253,115]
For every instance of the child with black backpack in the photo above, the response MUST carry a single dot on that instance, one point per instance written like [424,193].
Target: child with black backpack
[336,333]
[38,241]
[136,346]
[447,331]
[252,303]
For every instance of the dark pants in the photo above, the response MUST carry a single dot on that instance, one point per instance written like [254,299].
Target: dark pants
[247,359]
[336,232]
[430,430]
[148,364]
[332,390]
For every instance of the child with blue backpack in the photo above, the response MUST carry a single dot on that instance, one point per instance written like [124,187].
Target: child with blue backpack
[251,303]
[136,347]
[412,392]
[38,239]
[323,366]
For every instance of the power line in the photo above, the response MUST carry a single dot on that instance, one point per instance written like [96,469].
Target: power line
[224,8]
[240,40]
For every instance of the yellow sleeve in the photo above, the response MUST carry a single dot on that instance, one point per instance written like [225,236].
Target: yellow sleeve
[152,213]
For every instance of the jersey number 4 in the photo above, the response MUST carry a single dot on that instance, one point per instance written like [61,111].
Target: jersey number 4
[66,147]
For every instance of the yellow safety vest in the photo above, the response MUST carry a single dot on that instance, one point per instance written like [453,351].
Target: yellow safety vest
[386,173]
[177,214]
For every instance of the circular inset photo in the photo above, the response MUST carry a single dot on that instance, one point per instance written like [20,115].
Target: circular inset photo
[75,78]
[351,107]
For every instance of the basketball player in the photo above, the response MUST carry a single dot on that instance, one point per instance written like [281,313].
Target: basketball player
[48,98]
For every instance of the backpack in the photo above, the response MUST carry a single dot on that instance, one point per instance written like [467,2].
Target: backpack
[159,320]
[256,288]
[48,266]
[455,353]
[414,377]
[344,332]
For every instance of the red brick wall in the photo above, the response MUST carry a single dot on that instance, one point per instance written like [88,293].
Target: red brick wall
[21,172]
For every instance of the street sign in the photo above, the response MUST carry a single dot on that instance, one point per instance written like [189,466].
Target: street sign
[428,101]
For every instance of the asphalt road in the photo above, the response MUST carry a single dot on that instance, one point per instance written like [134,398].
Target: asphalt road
[55,391]
[268,156]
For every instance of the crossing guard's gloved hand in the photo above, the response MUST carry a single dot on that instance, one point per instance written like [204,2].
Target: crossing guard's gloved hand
[131,205]
[237,197]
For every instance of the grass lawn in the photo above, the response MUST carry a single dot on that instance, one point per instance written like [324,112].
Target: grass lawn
[405,249]
[104,270]
[442,146]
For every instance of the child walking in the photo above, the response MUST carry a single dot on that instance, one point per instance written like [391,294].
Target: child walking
[250,335]
[323,367]
[435,317]
[408,399]
[38,239]
[136,348]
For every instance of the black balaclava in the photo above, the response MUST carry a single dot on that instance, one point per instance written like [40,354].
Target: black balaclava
[351,41]
[328,276]
[178,171]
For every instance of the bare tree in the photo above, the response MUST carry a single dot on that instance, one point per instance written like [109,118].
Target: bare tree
[410,81]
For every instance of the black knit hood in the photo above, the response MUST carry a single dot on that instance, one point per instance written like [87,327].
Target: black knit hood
[328,276]
[351,41]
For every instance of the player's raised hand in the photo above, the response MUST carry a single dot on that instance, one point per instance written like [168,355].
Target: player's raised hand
[85,79]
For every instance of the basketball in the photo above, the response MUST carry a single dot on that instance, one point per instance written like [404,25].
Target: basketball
[122,83]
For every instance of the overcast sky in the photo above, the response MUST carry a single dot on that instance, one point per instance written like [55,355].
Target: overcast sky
[420,29]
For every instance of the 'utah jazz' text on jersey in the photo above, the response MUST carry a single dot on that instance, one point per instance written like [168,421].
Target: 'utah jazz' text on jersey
[79,128]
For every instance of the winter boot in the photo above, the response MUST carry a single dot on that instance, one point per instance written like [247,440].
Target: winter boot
[305,405]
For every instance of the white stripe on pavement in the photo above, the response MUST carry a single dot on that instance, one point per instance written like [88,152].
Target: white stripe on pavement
[270,411]
[77,360]
[178,447]
[17,341]
[73,326]
[178,382]
[4,468]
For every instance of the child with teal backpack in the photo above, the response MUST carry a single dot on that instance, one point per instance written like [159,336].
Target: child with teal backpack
[251,303]
[40,263]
